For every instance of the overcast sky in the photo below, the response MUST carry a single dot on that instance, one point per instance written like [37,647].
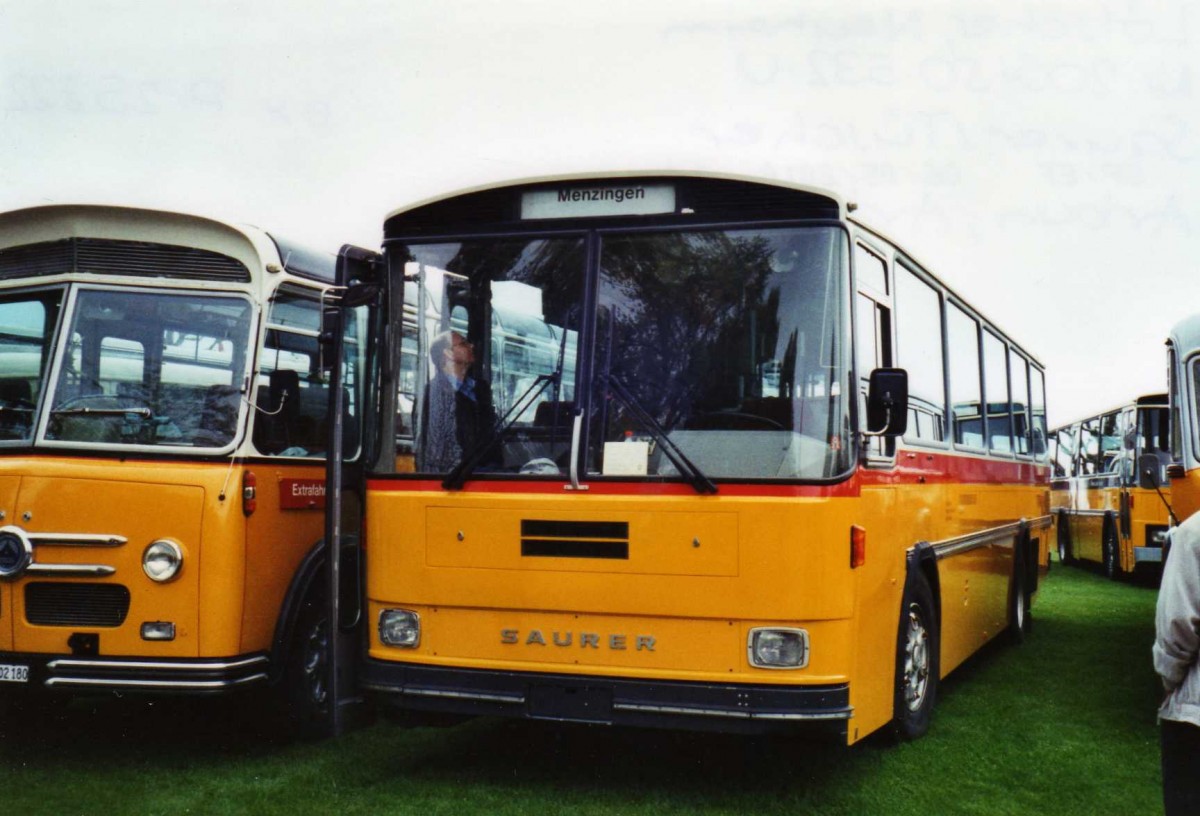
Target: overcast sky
[1039,157]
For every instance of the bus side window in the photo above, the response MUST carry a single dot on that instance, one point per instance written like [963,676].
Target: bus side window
[292,407]
[1019,376]
[965,389]
[919,349]
[1089,448]
[995,392]
[874,333]
[1037,412]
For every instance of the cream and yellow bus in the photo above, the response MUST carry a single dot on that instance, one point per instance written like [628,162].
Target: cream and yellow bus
[163,423]
[687,451]
[1183,368]
[1104,513]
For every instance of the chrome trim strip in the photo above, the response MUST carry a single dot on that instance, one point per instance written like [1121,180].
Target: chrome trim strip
[465,695]
[75,663]
[93,682]
[76,540]
[1088,512]
[841,714]
[971,541]
[86,570]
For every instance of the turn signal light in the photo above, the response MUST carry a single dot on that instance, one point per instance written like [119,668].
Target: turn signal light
[249,492]
[858,546]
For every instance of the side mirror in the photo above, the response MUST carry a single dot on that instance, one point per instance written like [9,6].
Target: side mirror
[360,294]
[1150,472]
[887,402]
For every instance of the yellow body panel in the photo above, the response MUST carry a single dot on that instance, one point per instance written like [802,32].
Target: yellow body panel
[1184,493]
[1089,509]
[701,572]
[225,600]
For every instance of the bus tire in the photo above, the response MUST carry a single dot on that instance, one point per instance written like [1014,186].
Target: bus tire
[1064,540]
[916,679]
[306,675]
[1111,552]
[1019,620]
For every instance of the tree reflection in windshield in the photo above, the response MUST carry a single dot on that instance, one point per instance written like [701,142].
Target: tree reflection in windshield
[732,342]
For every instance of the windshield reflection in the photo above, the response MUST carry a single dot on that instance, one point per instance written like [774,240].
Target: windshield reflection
[727,350]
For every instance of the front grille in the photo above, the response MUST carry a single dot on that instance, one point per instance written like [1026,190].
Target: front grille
[574,539]
[55,604]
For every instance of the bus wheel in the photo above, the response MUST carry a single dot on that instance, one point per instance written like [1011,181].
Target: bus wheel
[1019,621]
[916,660]
[1064,541]
[307,674]
[1112,567]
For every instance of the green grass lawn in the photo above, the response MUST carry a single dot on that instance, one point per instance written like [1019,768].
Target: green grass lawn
[1063,725]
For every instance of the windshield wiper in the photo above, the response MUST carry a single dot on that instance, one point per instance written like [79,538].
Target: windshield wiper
[454,479]
[691,472]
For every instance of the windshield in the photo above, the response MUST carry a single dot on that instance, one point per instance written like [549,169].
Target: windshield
[719,354]
[27,324]
[734,343]
[498,339]
[151,369]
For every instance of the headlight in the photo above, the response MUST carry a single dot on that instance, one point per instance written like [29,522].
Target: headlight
[778,648]
[162,560]
[400,627]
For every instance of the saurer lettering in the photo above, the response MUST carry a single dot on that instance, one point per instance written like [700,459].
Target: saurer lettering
[585,640]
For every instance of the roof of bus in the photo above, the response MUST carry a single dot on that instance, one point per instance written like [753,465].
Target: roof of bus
[949,289]
[614,175]
[1143,400]
[1185,336]
[251,246]
[843,208]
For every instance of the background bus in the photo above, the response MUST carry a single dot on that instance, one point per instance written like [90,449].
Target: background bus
[1103,513]
[163,420]
[678,517]
[1183,367]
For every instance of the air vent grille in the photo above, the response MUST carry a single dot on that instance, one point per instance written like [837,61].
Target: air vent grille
[60,604]
[94,256]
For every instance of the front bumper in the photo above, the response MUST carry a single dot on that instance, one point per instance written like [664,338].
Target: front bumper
[734,708]
[75,674]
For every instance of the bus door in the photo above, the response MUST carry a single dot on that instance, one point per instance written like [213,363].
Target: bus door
[1125,468]
[346,369]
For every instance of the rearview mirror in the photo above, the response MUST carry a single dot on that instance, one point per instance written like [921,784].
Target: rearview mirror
[1150,471]
[887,402]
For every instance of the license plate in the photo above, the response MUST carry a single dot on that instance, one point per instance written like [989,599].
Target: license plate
[13,674]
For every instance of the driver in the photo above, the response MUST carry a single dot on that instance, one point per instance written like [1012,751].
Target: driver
[458,406]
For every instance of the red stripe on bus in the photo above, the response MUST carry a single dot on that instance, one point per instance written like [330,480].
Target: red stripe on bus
[912,467]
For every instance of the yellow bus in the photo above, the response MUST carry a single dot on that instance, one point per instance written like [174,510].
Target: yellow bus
[163,422]
[687,451]
[1103,512]
[1183,369]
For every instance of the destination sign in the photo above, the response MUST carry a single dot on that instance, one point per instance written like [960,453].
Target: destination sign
[599,200]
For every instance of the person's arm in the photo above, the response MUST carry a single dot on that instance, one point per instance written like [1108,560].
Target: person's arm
[1177,616]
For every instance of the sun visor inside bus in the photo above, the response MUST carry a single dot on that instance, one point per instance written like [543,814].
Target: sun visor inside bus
[97,256]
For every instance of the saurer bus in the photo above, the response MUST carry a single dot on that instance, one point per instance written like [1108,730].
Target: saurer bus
[685,451]
[163,425]
[1183,369]
[1105,512]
